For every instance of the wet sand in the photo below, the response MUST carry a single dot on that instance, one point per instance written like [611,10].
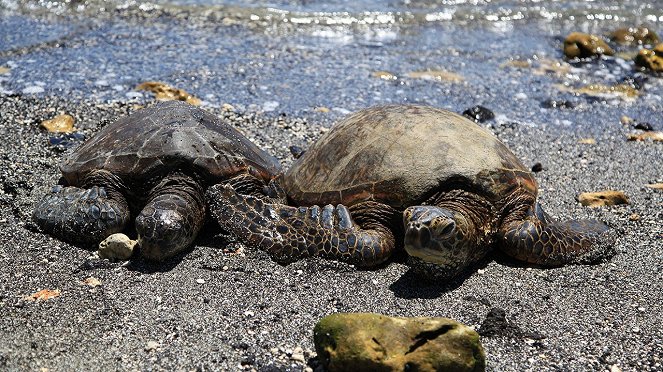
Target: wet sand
[222,306]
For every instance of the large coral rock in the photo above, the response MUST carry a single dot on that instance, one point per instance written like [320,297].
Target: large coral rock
[651,59]
[580,45]
[374,342]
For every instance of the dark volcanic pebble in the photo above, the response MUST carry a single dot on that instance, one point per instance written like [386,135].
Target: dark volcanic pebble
[537,167]
[296,151]
[553,103]
[643,126]
[479,114]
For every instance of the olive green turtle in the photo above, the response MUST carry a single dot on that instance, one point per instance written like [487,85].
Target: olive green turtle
[434,180]
[153,165]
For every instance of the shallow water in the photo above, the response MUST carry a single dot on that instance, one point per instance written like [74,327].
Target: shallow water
[305,58]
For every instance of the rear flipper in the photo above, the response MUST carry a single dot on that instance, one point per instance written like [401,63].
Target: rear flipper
[288,233]
[83,216]
[540,240]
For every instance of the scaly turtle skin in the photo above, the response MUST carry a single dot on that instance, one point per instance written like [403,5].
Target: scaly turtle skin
[156,164]
[446,187]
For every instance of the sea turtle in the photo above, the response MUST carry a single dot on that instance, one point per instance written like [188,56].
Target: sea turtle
[154,164]
[444,185]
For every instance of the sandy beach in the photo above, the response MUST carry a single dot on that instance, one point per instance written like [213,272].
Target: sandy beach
[223,306]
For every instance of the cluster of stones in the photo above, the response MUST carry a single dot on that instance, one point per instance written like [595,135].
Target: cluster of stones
[582,45]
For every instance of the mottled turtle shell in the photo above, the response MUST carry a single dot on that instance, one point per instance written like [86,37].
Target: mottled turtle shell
[165,137]
[401,155]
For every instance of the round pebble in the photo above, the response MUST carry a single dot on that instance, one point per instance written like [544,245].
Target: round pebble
[117,247]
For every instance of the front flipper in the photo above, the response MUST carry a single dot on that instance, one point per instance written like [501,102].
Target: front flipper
[172,217]
[83,216]
[540,240]
[288,233]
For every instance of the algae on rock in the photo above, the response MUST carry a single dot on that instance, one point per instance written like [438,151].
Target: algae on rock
[375,342]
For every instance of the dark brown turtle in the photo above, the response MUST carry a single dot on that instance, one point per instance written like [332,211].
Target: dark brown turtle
[447,187]
[154,164]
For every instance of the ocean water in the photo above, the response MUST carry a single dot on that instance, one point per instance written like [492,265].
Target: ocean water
[328,58]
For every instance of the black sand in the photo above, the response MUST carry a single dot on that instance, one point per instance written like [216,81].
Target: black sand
[224,307]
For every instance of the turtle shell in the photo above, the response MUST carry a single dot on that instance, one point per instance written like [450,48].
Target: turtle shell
[401,155]
[168,136]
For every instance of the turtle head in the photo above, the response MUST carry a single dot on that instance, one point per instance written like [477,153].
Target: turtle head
[438,236]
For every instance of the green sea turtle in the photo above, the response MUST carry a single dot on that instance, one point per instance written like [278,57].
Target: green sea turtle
[154,164]
[441,184]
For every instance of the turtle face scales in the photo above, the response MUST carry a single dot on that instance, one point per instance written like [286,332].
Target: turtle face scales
[435,235]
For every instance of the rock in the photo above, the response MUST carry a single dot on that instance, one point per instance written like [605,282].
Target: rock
[438,75]
[562,104]
[59,124]
[386,75]
[151,346]
[374,342]
[625,120]
[479,114]
[496,324]
[634,36]
[654,136]
[117,247]
[587,141]
[637,82]
[165,92]
[651,59]
[296,151]
[580,45]
[537,167]
[92,282]
[603,198]
[644,126]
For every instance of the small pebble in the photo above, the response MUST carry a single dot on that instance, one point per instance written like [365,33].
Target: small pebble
[644,126]
[200,281]
[296,151]
[117,247]
[562,104]
[625,120]
[151,346]
[537,167]
[521,95]
[479,114]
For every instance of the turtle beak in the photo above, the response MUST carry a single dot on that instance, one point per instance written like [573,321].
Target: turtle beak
[426,229]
